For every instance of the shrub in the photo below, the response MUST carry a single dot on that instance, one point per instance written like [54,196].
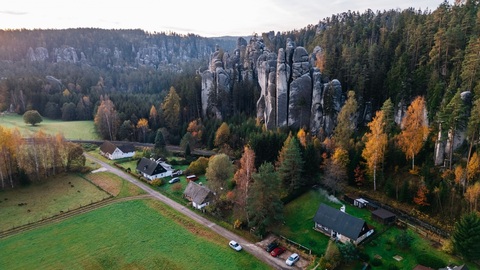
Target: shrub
[404,240]
[376,262]
[393,267]
[156,182]
[177,187]
[364,257]
[430,261]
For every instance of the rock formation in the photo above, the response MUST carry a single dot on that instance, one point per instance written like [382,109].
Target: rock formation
[292,92]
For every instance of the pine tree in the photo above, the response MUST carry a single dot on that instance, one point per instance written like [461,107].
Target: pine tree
[374,150]
[264,204]
[466,237]
[291,165]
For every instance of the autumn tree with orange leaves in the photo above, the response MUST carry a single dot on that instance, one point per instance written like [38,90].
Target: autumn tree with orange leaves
[243,179]
[414,130]
[374,150]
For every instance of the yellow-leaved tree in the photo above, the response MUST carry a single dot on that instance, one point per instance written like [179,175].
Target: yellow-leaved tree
[414,130]
[375,145]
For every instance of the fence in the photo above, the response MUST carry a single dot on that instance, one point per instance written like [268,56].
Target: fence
[296,244]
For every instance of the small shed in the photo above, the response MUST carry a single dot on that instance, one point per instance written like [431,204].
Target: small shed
[383,216]
[360,203]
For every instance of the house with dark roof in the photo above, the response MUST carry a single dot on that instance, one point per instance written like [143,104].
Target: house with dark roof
[116,151]
[151,169]
[452,267]
[199,195]
[340,225]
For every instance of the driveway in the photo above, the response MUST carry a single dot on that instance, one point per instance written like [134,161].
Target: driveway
[247,245]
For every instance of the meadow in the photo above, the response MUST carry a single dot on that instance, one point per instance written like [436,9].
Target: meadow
[37,201]
[299,228]
[141,234]
[74,130]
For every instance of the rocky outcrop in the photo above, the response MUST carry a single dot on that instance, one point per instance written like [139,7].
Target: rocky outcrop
[40,54]
[453,139]
[65,54]
[292,92]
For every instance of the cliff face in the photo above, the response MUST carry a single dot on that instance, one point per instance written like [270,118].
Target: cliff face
[107,48]
[292,92]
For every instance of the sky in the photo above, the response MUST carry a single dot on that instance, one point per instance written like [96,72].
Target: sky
[208,18]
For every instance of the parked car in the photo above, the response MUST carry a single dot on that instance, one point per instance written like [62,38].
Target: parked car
[292,259]
[235,245]
[277,251]
[192,177]
[174,180]
[271,246]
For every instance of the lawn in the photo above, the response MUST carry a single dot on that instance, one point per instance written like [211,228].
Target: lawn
[40,200]
[83,130]
[114,185]
[128,235]
[299,228]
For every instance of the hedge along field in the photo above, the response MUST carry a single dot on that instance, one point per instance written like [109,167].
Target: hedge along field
[83,130]
[29,204]
[128,235]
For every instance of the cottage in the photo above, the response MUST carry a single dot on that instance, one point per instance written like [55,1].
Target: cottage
[340,225]
[151,169]
[383,216]
[113,151]
[199,195]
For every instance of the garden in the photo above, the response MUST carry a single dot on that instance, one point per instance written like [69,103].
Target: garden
[384,249]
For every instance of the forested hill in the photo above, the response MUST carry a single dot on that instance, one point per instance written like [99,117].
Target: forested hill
[106,48]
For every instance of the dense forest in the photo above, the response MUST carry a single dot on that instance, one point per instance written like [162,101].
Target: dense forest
[418,71]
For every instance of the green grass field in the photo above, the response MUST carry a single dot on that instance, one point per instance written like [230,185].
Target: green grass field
[65,192]
[299,228]
[128,235]
[74,130]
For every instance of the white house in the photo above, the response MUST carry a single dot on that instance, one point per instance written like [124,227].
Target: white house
[151,169]
[112,151]
[199,195]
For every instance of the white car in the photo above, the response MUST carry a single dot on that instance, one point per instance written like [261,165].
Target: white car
[235,245]
[292,259]
[174,180]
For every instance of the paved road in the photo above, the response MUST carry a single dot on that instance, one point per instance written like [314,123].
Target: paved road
[247,245]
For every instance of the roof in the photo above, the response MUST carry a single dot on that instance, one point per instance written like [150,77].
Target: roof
[197,193]
[339,221]
[109,147]
[461,267]
[383,214]
[150,167]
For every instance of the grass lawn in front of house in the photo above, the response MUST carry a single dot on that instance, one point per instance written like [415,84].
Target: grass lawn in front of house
[299,227]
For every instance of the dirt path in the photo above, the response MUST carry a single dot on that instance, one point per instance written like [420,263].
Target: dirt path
[248,246]
[69,214]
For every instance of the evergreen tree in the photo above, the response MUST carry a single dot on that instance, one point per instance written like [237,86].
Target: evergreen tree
[466,236]
[264,204]
[346,123]
[290,165]
[171,110]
